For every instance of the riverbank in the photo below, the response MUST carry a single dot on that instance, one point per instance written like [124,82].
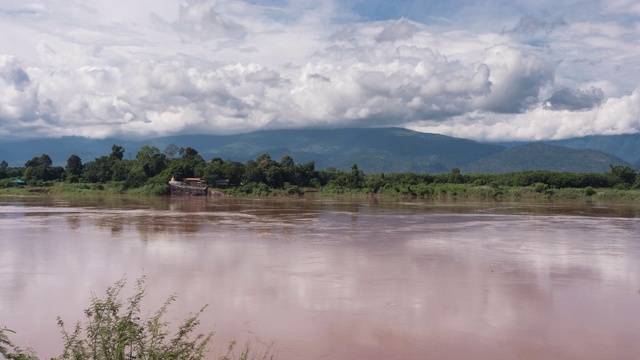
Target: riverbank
[431,192]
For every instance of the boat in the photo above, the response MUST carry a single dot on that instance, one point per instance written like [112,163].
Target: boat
[189,187]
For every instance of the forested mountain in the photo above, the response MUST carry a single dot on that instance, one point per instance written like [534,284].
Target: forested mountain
[539,156]
[17,152]
[373,150]
[626,147]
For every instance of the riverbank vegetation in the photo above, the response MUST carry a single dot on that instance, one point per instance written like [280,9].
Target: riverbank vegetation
[116,329]
[150,171]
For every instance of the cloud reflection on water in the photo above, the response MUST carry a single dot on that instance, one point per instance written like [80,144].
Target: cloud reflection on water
[341,279]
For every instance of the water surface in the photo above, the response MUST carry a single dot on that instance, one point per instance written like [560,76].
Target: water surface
[339,279]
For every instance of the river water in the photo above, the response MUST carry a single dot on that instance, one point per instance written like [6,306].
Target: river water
[336,278]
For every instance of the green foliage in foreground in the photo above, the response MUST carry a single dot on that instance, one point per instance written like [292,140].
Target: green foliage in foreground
[10,351]
[116,330]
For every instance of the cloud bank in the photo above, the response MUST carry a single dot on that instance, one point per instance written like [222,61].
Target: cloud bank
[481,70]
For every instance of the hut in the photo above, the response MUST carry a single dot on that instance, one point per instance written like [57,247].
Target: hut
[17,183]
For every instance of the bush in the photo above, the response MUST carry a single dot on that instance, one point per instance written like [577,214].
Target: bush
[292,190]
[11,352]
[540,187]
[5,183]
[621,186]
[589,191]
[116,330]
[151,189]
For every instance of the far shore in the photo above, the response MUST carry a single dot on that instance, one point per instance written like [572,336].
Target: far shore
[436,192]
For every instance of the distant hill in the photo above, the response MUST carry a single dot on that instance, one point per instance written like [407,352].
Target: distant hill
[539,156]
[17,152]
[626,147]
[373,150]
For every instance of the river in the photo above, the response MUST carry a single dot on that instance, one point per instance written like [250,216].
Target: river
[337,278]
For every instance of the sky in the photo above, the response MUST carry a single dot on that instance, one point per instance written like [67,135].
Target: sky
[488,70]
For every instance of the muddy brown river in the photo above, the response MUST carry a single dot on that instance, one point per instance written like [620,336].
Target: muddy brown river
[338,278]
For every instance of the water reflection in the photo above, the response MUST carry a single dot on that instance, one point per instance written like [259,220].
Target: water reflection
[340,278]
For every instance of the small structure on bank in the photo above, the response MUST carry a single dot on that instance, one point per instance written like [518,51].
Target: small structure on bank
[189,187]
[17,182]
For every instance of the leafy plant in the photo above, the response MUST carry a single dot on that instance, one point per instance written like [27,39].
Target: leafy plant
[11,352]
[115,330]
[589,191]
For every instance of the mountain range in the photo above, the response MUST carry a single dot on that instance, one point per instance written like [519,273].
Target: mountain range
[373,150]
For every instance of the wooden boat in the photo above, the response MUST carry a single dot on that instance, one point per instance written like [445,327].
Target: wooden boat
[189,187]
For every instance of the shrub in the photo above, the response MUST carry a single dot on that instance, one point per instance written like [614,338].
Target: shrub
[151,189]
[540,187]
[589,191]
[292,190]
[115,330]
[621,186]
[11,352]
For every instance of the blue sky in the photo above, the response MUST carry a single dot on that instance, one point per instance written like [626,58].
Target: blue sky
[486,70]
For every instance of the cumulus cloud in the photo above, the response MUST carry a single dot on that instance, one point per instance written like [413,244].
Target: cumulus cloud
[517,79]
[531,25]
[613,117]
[18,97]
[399,30]
[203,66]
[575,99]
[200,19]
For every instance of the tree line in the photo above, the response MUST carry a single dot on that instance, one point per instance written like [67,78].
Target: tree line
[151,170]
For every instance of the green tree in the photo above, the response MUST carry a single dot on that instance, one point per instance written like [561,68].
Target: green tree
[252,172]
[151,161]
[170,151]
[190,153]
[99,170]
[287,161]
[625,173]
[214,170]
[233,171]
[117,152]
[356,177]
[306,173]
[274,176]
[191,164]
[120,169]
[40,168]
[74,168]
[3,169]
[135,178]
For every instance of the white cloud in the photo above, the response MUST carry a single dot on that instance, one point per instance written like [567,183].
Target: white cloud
[516,79]
[200,19]
[18,97]
[614,116]
[400,30]
[575,99]
[146,68]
